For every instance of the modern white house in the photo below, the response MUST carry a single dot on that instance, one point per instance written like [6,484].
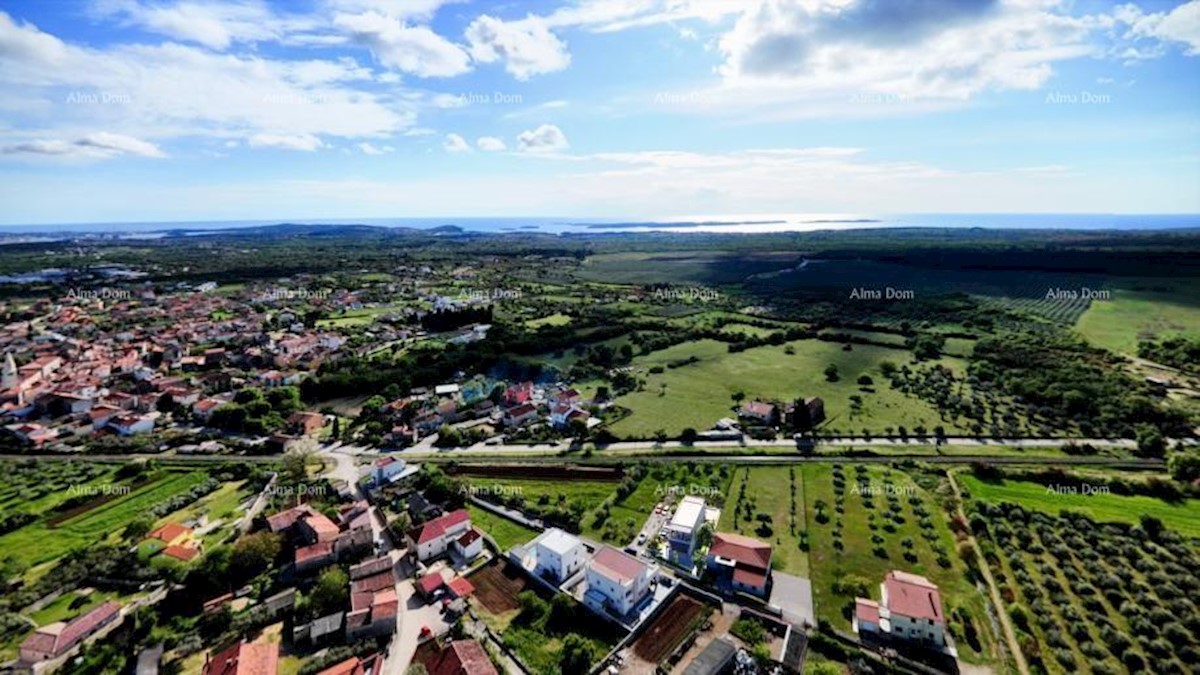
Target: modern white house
[682,530]
[909,611]
[559,555]
[617,582]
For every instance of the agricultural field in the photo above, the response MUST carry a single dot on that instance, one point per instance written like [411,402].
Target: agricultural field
[1183,517]
[505,532]
[1091,596]
[1160,309]
[670,628]
[618,521]
[865,521]
[50,538]
[698,394]
[36,487]
[767,503]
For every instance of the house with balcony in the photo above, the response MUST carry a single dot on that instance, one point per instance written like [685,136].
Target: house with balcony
[908,613]
[617,582]
[685,524]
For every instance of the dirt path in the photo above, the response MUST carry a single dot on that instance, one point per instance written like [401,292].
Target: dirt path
[1010,635]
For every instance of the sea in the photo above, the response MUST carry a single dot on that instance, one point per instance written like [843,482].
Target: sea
[720,223]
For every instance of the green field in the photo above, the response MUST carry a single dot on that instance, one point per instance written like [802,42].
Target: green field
[61,610]
[865,561]
[552,320]
[771,490]
[699,394]
[38,543]
[505,532]
[1185,517]
[1133,315]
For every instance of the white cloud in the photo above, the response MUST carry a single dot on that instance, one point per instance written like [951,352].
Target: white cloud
[455,143]
[1180,25]
[100,145]
[172,90]
[545,139]
[421,10]
[215,24]
[369,149]
[527,47]
[928,49]
[490,144]
[302,142]
[411,49]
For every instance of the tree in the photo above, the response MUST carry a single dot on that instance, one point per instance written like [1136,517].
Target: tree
[865,380]
[253,554]
[1185,466]
[688,436]
[295,466]
[331,592]
[738,397]
[138,528]
[1150,441]
[576,655]
[831,373]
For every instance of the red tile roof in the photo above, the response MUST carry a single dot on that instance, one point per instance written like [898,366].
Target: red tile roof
[437,527]
[913,595]
[318,550]
[744,550]
[169,532]
[48,641]
[183,553]
[866,610]
[247,658]
[617,565]
[430,583]
[748,577]
[460,587]
[462,657]
[374,582]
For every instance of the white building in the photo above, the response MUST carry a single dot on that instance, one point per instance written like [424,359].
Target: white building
[909,610]
[682,531]
[617,582]
[444,533]
[390,469]
[559,555]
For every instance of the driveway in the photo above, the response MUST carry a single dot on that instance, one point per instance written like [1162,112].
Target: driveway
[793,595]
[414,615]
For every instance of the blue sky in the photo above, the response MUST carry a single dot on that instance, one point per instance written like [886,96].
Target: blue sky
[162,110]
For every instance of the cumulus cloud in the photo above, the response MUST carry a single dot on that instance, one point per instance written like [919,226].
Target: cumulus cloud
[100,145]
[411,49]
[302,142]
[527,47]
[171,90]
[1181,25]
[920,48]
[546,138]
[455,143]
[490,144]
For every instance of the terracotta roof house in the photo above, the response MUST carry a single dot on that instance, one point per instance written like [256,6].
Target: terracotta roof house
[245,658]
[461,657]
[740,564]
[171,534]
[181,553]
[443,534]
[56,639]
[352,666]
[909,612]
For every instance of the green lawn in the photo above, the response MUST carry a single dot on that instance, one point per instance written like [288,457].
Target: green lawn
[699,394]
[770,488]
[60,609]
[1132,315]
[661,481]
[1184,518]
[38,543]
[559,319]
[506,532]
